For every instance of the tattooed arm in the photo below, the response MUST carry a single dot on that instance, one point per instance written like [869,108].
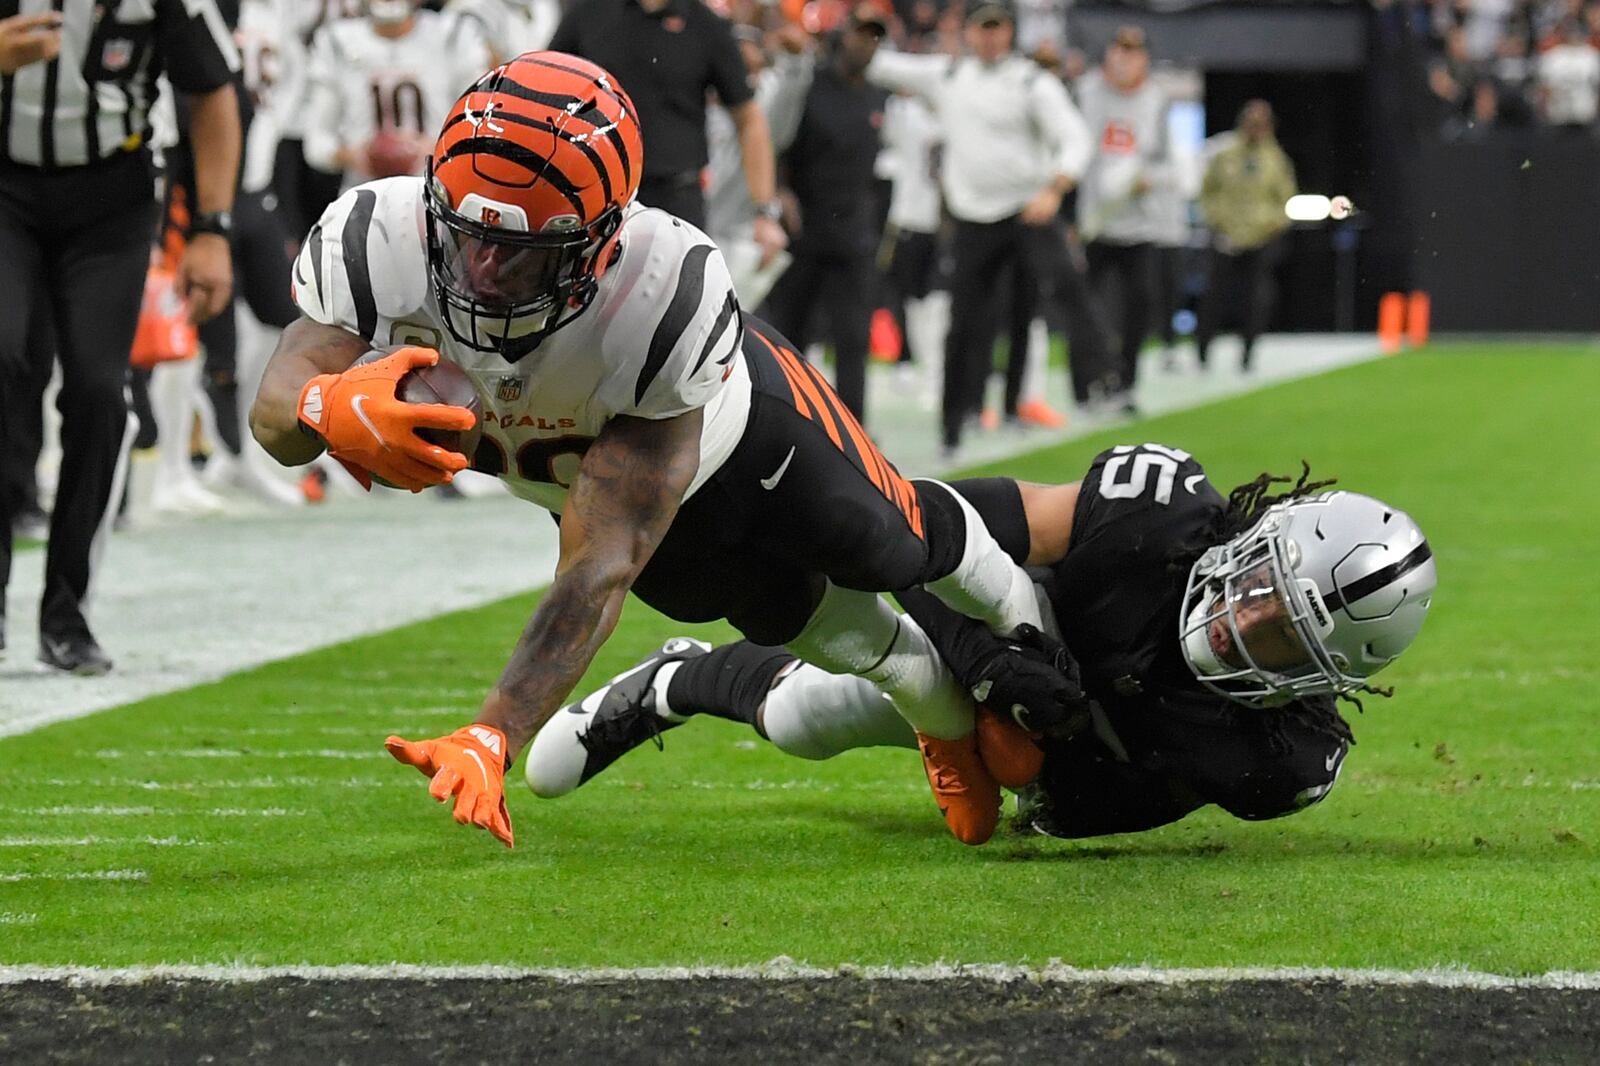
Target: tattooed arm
[627,493]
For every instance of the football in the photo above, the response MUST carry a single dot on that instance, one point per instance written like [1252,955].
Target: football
[390,155]
[447,383]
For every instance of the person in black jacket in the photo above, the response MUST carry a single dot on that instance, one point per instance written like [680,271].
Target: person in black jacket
[829,167]
[1204,641]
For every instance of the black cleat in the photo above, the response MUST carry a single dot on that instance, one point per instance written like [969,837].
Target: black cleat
[583,738]
[75,652]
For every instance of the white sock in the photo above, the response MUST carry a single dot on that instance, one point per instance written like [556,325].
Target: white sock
[172,387]
[927,323]
[658,685]
[921,686]
[1034,375]
[813,714]
[986,584]
[857,633]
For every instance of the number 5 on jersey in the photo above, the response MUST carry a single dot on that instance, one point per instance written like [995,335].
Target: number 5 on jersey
[1138,463]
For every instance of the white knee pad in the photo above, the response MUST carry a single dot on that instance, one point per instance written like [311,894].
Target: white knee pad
[813,714]
[986,584]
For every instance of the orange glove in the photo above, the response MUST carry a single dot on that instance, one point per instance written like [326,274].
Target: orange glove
[373,432]
[470,765]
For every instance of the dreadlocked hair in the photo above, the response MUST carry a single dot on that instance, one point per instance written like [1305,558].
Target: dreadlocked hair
[1246,504]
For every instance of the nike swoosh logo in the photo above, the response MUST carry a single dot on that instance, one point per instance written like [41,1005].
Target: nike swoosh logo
[1330,762]
[355,404]
[1191,481]
[770,483]
[481,768]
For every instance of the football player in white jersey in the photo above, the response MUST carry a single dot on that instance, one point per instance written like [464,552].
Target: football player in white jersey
[378,86]
[511,26]
[690,456]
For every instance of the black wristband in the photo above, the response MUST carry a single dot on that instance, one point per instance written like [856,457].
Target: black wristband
[219,223]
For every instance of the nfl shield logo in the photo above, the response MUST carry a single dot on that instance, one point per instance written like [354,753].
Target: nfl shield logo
[116,54]
[508,390]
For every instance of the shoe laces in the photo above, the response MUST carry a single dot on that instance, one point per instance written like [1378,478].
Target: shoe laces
[621,728]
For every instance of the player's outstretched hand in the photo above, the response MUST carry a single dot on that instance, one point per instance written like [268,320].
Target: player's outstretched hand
[469,764]
[373,432]
[1033,678]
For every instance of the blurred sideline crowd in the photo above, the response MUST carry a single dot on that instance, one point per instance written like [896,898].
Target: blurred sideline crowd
[909,182]
[1511,63]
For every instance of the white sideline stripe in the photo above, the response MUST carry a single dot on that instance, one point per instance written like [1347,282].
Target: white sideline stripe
[84,842]
[76,875]
[68,810]
[231,753]
[271,783]
[785,970]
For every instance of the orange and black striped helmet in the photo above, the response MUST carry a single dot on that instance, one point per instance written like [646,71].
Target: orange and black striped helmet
[525,194]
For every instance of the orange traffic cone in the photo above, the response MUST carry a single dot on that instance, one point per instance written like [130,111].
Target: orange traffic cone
[1391,321]
[1419,309]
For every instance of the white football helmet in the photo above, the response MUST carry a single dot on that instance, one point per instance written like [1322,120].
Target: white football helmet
[1316,597]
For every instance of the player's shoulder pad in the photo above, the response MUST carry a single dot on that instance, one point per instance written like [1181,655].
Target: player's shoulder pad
[671,321]
[365,261]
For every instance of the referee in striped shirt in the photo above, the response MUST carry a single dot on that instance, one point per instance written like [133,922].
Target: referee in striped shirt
[77,218]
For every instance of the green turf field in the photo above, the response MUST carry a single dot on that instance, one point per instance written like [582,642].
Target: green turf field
[269,826]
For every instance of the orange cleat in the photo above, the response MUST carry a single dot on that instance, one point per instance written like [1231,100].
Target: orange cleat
[1008,752]
[967,794]
[1038,413]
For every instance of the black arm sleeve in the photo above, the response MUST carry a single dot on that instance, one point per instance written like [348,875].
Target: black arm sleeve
[197,48]
[965,644]
[567,37]
[728,74]
[998,502]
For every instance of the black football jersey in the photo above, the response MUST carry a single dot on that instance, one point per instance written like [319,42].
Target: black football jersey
[1117,591]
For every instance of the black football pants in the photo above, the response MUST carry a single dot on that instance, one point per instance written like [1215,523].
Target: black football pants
[1122,277]
[805,496]
[74,243]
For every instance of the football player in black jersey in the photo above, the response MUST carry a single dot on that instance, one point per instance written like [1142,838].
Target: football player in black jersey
[1204,642]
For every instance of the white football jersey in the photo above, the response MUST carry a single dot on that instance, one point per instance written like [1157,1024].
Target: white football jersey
[511,27]
[272,61]
[661,338]
[304,19]
[361,83]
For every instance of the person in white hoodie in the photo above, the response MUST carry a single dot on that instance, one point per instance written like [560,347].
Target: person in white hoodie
[1014,146]
[1117,215]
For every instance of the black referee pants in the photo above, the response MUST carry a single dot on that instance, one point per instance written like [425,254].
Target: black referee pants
[1123,278]
[1040,263]
[840,288]
[76,244]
